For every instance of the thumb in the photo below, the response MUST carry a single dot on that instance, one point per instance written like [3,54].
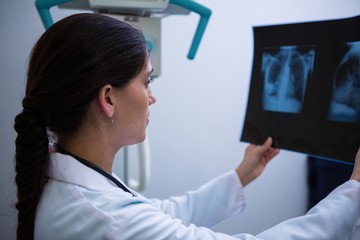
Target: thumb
[267,145]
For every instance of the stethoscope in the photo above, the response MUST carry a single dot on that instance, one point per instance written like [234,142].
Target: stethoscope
[96,168]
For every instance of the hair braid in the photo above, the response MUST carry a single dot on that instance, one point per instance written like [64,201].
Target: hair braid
[31,155]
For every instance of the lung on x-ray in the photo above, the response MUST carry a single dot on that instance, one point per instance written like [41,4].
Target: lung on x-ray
[345,101]
[285,72]
[305,88]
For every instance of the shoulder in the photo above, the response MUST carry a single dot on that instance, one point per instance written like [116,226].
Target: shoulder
[64,208]
[61,195]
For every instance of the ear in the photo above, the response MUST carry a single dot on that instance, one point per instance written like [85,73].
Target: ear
[106,100]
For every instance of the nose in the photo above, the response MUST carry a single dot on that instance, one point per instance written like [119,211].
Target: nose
[152,98]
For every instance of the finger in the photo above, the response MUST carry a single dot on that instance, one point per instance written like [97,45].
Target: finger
[250,147]
[273,153]
[270,154]
[266,146]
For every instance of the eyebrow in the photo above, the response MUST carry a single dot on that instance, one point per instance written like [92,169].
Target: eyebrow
[152,70]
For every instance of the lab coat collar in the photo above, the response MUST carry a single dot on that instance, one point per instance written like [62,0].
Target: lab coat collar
[67,169]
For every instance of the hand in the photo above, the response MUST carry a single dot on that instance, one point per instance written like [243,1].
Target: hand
[356,172]
[255,160]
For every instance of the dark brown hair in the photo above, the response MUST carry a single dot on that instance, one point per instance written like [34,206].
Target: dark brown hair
[70,62]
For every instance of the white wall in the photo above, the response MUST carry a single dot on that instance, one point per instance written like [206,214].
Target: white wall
[196,123]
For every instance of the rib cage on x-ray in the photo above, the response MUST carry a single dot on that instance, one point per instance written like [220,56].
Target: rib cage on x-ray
[345,102]
[286,70]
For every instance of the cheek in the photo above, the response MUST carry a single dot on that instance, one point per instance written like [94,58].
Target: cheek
[142,104]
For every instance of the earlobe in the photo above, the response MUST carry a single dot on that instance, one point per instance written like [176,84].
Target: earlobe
[106,101]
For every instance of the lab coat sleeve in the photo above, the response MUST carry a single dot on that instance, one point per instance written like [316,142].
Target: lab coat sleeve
[333,218]
[210,204]
[356,230]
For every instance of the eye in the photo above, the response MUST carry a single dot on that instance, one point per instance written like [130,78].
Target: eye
[150,80]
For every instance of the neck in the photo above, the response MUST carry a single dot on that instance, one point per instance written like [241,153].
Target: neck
[92,148]
[94,140]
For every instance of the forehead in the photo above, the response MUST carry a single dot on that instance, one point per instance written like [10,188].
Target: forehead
[145,71]
[148,66]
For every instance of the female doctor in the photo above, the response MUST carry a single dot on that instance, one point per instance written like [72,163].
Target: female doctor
[88,95]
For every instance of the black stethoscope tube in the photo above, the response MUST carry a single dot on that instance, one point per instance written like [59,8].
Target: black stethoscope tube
[96,168]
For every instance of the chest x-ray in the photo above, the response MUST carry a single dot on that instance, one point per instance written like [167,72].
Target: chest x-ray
[345,101]
[305,88]
[285,72]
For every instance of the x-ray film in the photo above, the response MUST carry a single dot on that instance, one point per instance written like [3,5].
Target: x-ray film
[305,88]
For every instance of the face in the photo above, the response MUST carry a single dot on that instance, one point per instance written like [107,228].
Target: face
[132,108]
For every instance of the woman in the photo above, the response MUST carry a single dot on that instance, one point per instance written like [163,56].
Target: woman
[88,95]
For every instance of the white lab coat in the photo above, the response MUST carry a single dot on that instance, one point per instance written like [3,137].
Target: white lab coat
[79,203]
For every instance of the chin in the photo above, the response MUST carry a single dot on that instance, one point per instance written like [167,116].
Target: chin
[139,139]
[143,138]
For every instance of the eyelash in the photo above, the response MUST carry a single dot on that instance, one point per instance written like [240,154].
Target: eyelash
[150,80]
